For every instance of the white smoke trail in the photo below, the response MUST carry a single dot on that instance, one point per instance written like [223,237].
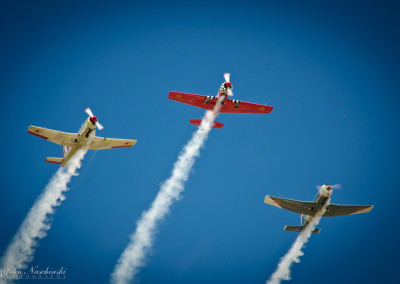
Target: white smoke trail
[134,254]
[293,255]
[36,224]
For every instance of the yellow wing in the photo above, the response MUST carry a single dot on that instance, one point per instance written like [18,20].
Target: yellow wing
[58,137]
[100,143]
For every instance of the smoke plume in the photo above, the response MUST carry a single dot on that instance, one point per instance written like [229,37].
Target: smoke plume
[293,255]
[141,241]
[38,221]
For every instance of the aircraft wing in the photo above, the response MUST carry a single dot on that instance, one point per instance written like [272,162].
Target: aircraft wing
[194,100]
[296,206]
[232,106]
[58,137]
[229,106]
[100,143]
[334,210]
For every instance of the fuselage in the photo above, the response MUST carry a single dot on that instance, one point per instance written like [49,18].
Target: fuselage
[88,128]
[85,134]
[323,196]
[223,90]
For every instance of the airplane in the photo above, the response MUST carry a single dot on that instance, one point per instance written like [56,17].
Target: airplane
[228,105]
[72,142]
[308,210]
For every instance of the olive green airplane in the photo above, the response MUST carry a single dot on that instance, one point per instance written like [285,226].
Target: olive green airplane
[308,210]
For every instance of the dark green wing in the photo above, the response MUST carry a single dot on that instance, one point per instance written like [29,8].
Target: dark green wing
[340,210]
[301,207]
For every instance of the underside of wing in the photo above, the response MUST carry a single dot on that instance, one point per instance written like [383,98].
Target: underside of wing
[58,137]
[334,210]
[235,106]
[300,207]
[200,101]
[100,143]
[228,105]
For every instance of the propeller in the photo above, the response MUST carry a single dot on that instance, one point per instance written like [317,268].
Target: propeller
[335,186]
[227,77]
[90,113]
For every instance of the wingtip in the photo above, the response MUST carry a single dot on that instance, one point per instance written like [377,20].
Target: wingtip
[364,210]
[369,208]
[270,201]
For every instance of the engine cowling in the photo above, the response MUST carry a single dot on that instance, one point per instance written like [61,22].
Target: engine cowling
[325,191]
[93,119]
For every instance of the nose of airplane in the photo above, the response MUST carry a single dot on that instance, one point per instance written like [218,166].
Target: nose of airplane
[93,119]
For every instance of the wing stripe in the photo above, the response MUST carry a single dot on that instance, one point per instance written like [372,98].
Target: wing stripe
[59,163]
[121,146]
[43,137]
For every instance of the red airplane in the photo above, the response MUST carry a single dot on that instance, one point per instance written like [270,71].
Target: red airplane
[228,105]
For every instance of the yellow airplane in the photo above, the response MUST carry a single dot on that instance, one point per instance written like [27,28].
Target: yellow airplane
[73,142]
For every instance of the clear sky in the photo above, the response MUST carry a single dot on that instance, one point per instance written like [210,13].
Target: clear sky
[330,70]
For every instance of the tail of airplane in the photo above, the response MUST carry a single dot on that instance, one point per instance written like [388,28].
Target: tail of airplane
[198,122]
[54,160]
[299,229]
[58,160]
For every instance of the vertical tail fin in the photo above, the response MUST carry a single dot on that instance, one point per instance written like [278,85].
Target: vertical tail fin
[65,150]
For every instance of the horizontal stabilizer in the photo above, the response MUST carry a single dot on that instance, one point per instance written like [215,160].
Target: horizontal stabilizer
[299,229]
[198,122]
[54,160]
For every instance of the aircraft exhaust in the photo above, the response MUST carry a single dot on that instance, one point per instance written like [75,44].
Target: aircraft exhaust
[38,221]
[282,272]
[142,239]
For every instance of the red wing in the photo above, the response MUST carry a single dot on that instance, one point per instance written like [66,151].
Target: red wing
[194,100]
[229,106]
[235,106]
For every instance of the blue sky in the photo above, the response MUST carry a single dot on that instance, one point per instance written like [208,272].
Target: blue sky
[330,71]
